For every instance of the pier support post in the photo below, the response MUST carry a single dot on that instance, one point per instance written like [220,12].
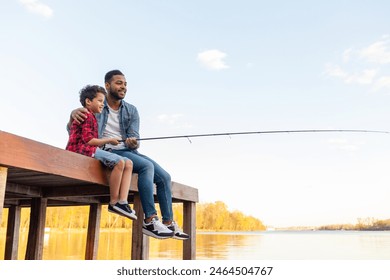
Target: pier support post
[140,242]
[3,184]
[12,237]
[189,226]
[36,231]
[92,245]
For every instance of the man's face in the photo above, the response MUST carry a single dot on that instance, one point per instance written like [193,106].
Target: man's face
[117,87]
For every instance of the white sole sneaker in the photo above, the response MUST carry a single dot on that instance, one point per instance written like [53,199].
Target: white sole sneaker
[156,229]
[118,210]
[152,234]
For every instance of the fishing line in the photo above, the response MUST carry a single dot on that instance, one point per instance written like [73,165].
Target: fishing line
[189,136]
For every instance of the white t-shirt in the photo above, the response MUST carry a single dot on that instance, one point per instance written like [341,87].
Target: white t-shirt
[112,129]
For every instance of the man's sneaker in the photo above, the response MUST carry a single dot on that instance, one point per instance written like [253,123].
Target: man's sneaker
[156,229]
[179,234]
[123,210]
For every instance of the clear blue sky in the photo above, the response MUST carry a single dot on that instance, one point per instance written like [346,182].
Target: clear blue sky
[221,66]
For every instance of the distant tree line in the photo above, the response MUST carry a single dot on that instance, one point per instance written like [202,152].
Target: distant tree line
[210,216]
[362,224]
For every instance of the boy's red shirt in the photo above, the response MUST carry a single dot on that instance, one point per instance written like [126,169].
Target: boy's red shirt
[81,134]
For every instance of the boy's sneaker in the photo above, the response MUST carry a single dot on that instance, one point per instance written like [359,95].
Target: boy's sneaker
[123,210]
[179,234]
[156,229]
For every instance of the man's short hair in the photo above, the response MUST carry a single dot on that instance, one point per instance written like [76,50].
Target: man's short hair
[110,74]
[90,92]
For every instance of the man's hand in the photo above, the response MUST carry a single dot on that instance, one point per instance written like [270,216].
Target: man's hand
[79,115]
[132,143]
[113,141]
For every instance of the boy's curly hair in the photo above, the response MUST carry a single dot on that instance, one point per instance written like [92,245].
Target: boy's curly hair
[90,92]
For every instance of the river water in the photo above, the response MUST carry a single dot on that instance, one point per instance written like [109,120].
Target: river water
[268,245]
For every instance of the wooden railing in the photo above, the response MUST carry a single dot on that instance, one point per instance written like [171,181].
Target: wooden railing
[37,175]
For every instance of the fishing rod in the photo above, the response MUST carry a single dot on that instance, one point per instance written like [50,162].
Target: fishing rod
[262,132]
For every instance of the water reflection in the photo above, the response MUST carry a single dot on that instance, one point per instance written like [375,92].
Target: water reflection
[224,245]
[116,245]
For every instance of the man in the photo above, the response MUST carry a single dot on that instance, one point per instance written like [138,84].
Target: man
[120,120]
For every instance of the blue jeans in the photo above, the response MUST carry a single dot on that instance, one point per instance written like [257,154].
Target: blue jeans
[149,172]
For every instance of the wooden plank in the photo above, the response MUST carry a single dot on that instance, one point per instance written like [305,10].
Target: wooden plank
[23,190]
[140,242]
[58,165]
[31,158]
[92,244]
[3,183]
[183,192]
[12,237]
[189,226]
[82,190]
[36,231]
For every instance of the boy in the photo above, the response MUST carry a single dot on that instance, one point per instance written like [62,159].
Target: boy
[83,139]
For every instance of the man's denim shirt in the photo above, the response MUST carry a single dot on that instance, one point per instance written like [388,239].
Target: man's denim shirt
[128,120]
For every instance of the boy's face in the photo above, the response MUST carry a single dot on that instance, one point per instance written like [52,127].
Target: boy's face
[96,105]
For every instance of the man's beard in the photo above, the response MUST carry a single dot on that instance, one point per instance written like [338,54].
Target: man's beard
[116,96]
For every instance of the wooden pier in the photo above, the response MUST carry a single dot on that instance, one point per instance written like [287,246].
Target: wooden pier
[37,175]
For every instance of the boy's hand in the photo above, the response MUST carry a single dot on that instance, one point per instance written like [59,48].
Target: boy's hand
[113,141]
[132,143]
[79,114]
